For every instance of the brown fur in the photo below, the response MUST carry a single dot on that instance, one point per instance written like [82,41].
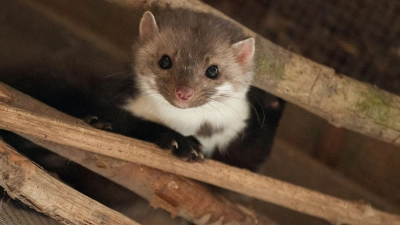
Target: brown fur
[194,41]
[206,130]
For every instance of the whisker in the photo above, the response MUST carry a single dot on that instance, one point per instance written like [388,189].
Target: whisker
[229,106]
[260,121]
[211,111]
[120,112]
[156,102]
[113,74]
[120,94]
[195,111]
[255,110]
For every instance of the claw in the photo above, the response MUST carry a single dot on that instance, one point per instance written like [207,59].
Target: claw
[175,144]
[196,156]
[107,127]
[93,120]
[194,153]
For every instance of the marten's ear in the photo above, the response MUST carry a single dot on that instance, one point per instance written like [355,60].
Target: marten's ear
[245,51]
[148,26]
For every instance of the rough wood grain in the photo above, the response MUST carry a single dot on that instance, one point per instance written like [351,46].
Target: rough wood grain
[319,89]
[341,100]
[300,199]
[177,195]
[34,187]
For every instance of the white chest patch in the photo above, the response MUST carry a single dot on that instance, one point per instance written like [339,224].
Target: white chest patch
[228,117]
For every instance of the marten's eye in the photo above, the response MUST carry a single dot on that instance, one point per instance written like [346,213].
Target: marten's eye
[165,62]
[212,72]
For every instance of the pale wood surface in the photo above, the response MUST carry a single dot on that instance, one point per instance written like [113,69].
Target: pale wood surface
[177,195]
[300,199]
[342,101]
[34,187]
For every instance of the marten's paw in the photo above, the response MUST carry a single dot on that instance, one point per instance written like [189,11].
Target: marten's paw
[96,123]
[188,148]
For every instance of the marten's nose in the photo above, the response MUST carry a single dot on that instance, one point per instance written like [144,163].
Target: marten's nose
[184,93]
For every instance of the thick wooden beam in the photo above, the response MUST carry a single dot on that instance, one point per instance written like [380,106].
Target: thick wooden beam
[342,101]
[242,181]
[177,195]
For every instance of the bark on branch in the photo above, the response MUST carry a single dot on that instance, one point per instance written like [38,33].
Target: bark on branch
[34,187]
[177,195]
[342,101]
[300,199]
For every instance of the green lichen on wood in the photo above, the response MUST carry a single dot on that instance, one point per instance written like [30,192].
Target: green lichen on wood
[378,106]
[267,64]
[343,83]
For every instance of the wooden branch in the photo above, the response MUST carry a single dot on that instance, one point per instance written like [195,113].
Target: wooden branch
[34,187]
[342,101]
[177,195]
[300,199]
